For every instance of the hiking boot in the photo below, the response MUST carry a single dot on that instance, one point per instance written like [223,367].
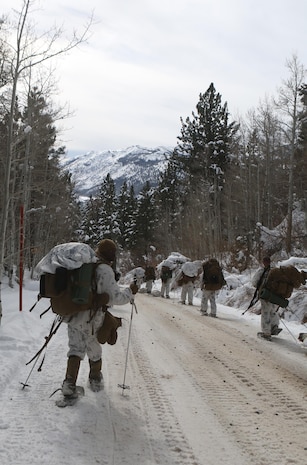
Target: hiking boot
[275,330]
[267,337]
[302,337]
[190,303]
[213,315]
[182,303]
[95,375]
[167,296]
[68,388]
[72,370]
[204,313]
[96,384]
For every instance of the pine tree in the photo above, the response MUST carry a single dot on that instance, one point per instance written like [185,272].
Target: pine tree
[108,225]
[46,192]
[89,228]
[127,206]
[206,139]
[167,200]
[202,156]
[145,219]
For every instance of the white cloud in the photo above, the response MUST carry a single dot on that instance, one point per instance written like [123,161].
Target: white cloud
[147,61]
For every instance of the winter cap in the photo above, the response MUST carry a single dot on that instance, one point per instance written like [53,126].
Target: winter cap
[106,249]
[266,260]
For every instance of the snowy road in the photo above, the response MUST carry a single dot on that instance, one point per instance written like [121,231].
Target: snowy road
[203,391]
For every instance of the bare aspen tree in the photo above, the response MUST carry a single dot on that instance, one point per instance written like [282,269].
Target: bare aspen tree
[289,106]
[27,52]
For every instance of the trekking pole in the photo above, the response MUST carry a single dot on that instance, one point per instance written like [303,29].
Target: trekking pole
[54,327]
[291,334]
[289,309]
[124,386]
[25,384]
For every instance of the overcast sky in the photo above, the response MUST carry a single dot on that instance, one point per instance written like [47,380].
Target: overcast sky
[147,61]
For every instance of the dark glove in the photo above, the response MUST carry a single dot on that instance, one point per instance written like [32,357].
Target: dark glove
[134,288]
[100,300]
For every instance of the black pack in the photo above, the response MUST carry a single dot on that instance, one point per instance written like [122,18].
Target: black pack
[150,273]
[166,273]
[213,278]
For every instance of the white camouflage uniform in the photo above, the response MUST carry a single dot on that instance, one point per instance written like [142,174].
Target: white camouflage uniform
[83,326]
[269,314]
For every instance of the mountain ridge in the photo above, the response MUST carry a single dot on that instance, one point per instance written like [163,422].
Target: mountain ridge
[135,164]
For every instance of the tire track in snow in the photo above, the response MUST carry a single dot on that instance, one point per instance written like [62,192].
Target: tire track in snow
[258,405]
[169,440]
[175,410]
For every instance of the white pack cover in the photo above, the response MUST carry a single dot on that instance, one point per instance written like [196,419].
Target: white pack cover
[169,263]
[138,272]
[190,269]
[70,255]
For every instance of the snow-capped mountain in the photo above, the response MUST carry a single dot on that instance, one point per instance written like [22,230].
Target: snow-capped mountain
[135,164]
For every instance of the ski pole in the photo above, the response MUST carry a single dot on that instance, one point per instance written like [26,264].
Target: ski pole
[291,334]
[25,384]
[124,386]
[55,326]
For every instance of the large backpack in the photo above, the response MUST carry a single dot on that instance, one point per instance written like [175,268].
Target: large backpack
[149,273]
[189,272]
[281,281]
[71,289]
[166,273]
[213,279]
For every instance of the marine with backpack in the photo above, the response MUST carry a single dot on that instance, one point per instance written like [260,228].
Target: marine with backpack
[166,275]
[212,281]
[213,278]
[149,278]
[187,276]
[274,286]
[81,290]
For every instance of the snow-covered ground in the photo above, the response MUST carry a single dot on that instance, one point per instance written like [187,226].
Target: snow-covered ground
[202,391]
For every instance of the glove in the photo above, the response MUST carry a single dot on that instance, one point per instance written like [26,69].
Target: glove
[134,288]
[100,300]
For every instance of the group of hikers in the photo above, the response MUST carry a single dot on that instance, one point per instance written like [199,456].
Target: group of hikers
[210,276]
[95,325]
[272,288]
